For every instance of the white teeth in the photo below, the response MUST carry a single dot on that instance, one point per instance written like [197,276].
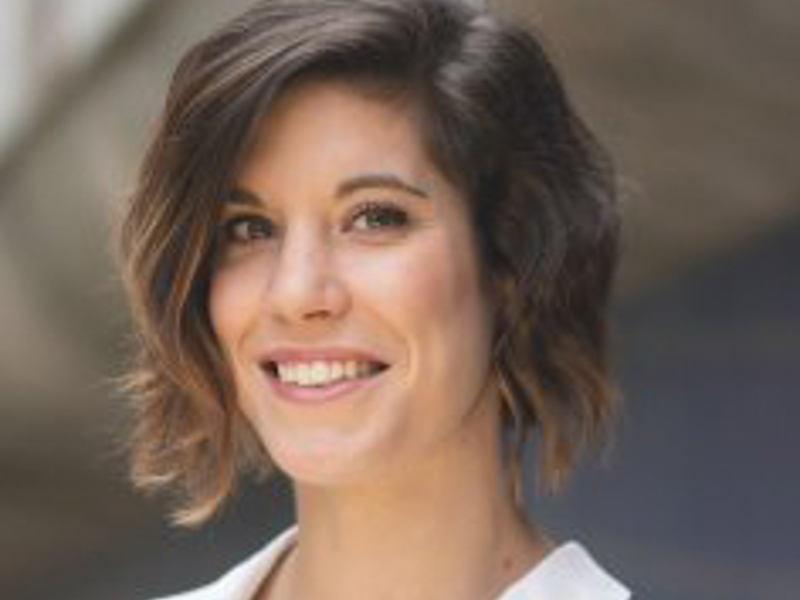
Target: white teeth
[337,370]
[318,373]
[304,374]
[351,369]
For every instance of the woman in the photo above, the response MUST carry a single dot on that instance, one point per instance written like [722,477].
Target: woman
[371,246]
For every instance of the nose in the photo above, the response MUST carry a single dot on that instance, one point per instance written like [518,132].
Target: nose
[305,286]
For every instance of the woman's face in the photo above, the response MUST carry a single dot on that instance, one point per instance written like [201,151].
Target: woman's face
[344,244]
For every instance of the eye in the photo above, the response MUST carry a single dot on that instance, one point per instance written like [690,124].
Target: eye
[247,229]
[378,215]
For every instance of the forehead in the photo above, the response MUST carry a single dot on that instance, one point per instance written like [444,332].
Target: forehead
[328,128]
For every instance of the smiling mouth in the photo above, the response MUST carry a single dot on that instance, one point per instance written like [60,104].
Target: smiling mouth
[320,374]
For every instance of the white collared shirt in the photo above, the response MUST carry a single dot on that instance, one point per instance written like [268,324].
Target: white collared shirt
[567,573]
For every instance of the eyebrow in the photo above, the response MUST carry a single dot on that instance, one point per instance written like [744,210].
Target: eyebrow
[345,188]
[243,197]
[378,180]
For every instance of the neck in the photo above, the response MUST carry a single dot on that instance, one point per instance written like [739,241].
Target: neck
[446,529]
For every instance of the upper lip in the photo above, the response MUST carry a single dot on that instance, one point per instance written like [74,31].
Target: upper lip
[322,353]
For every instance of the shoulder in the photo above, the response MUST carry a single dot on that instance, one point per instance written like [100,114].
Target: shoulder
[568,573]
[242,581]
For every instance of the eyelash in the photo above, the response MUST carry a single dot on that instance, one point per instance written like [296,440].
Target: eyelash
[399,217]
[230,227]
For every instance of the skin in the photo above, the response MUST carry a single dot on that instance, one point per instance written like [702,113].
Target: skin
[400,488]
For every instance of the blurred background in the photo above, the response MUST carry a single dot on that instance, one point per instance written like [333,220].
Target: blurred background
[700,104]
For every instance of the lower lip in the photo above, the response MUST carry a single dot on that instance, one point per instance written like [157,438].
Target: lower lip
[338,391]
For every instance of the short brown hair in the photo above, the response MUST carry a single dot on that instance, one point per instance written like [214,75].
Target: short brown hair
[495,120]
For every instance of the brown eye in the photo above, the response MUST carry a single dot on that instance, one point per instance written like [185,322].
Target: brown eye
[247,229]
[376,215]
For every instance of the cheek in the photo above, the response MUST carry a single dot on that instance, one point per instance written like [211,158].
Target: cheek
[233,296]
[430,292]
[443,288]
[454,341]
[412,286]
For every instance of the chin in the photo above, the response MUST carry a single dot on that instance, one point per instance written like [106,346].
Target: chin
[321,462]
